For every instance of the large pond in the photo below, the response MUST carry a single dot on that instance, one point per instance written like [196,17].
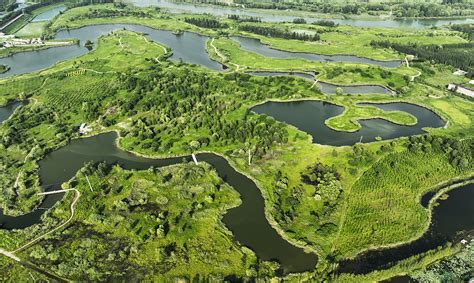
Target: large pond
[275,17]
[329,88]
[247,221]
[256,46]
[49,14]
[450,223]
[188,47]
[309,116]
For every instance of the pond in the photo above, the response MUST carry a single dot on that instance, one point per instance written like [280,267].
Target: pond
[330,88]
[247,221]
[256,46]
[271,16]
[309,116]
[451,222]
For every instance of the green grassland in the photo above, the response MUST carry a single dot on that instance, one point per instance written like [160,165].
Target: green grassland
[353,114]
[163,109]
[33,29]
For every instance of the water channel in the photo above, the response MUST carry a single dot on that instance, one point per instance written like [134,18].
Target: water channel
[189,47]
[256,46]
[8,110]
[247,221]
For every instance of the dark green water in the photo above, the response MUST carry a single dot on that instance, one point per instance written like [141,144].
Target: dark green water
[247,221]
[309,116]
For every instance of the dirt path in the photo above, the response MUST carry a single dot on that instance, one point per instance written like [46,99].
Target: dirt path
[72,209]
[223,58]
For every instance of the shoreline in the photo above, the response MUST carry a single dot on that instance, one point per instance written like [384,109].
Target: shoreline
[444,187]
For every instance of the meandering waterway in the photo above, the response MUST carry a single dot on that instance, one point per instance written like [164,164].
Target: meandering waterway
[247,221]
[188,47]
[256,46]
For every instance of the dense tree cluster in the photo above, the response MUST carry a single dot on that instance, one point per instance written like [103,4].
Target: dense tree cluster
[278,32]
[457,268]
[460,153]
[205,22]
[325,179]
[186,103]
[466,29]
[111,13]
[459,55]
[325,23]
[240,18]
[299,21]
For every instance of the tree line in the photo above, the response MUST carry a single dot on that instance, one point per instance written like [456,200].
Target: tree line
[239,18]
[206,22]
[280,33]
[459,55]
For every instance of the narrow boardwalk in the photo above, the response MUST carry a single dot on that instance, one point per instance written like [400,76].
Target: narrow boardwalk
[72,207]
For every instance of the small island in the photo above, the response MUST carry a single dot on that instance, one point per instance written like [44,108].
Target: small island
[4,69]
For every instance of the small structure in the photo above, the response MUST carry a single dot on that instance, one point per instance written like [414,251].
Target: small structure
[460,72]
[83,129]
[461,90]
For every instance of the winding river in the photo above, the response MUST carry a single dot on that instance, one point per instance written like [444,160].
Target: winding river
[256,46]
[247,221]
[189,47]
[309,116]
[223,11]
[329,88]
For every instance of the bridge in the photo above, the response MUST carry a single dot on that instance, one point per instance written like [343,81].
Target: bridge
[55,192]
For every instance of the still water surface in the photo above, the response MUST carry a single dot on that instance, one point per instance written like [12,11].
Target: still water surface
[309,116]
